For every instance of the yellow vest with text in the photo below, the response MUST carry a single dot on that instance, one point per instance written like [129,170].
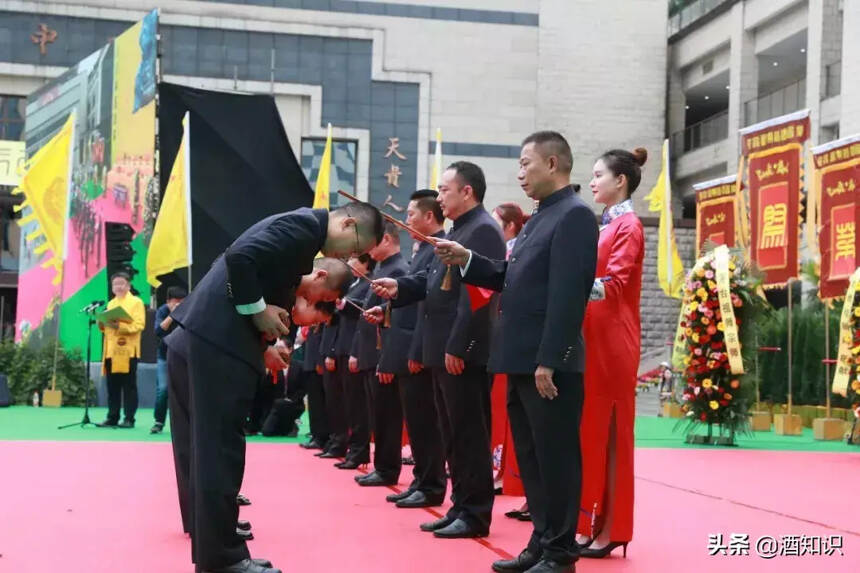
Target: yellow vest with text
[123,343]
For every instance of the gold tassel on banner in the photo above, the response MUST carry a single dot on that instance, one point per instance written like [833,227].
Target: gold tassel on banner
[446,282]
[378,338]
[386,320]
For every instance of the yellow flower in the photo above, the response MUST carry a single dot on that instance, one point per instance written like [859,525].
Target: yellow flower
[855,386]
[695,337]
[727,396]
[688,332]
[731,266]
[692,306]
[712,285]
[687,360]
[714,404]
[857,311]
[720,326]
[706,320]
[702,293]
[706,383]
[700,273]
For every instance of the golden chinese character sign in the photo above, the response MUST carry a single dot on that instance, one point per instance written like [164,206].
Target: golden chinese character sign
[716,212]
[774,150]
[837,186]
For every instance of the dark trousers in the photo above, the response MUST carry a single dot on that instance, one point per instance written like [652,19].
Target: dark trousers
[221,390]
[317,415]
[387,426]
[357,413]
[463,403]
[417,398]
[122,390]
[336,408]
[546,440]
[268,390]
[179,396]
[161,384]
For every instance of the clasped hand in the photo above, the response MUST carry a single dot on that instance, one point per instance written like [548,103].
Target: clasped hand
[273,321]
[452,253]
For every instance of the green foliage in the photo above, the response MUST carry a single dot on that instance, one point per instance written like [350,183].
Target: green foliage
[809,383]
[29,369]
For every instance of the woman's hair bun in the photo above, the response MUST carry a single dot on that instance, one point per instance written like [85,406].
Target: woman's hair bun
[640,155]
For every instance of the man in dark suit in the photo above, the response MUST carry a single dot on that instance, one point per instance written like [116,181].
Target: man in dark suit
[402,355]
[218,354]
[382,388]
[352,383]
[456,339]
[332,388]
[545,287]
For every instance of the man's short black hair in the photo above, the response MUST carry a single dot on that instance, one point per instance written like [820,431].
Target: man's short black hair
[326,307]
[176,292]
[367,260]
[425,200]
[121,275]
[552,143]
[392,231]
[472,175]
[339,275]
[367,216]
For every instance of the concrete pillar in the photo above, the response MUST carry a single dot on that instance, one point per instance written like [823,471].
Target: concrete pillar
[743,82]
[849,123]
[814,68]
[676,101]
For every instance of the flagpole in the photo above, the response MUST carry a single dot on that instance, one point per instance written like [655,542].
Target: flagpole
[187,133]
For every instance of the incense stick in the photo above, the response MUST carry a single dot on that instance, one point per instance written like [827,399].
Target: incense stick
[418,235]
[359,273]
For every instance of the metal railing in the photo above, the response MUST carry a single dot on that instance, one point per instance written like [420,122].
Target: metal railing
[705,132]
[785,100]
[691,13]
[833,79]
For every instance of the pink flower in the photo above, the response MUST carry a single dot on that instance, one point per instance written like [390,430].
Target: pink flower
[697,351]
[709,274]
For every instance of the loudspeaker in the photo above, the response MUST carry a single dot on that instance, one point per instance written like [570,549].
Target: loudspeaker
[118,237]
[5,395]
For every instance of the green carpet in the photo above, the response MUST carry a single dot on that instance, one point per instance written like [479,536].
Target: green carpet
[28,423]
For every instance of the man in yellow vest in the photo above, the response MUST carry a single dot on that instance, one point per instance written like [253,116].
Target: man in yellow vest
[121,353]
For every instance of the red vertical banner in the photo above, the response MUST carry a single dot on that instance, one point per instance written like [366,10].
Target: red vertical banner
[837,178]
[774,172]
[716,213]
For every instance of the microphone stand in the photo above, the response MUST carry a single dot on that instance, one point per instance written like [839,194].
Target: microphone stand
[91,320]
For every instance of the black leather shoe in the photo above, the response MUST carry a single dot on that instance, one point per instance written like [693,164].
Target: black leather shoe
[395,497]
[243,566]
[314,444]
[262,562]
[459,529]
[330,454]
[348,465]
[126,424]
[440,523]
[522,562]
[242,500]
[245,526]
[244,535]
[550,566]
[420,499]
[375,480]
[107,424]
[156,428]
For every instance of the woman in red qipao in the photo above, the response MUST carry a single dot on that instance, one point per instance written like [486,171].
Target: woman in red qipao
[611,330]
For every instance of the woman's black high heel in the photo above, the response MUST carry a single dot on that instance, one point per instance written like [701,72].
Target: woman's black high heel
[603,551]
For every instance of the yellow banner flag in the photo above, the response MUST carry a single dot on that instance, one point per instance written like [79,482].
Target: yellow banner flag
[45,186]
[170,246]
[670,269]
[323,187]
[436,171]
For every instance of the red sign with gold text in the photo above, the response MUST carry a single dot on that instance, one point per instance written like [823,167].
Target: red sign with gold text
[839,192]
[715,215]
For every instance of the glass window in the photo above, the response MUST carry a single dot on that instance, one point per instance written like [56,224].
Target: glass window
[342,165]
[12,117]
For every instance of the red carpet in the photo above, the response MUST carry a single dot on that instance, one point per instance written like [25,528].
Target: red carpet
[111,507]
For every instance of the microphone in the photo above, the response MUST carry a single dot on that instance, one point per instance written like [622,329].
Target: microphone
[92,306]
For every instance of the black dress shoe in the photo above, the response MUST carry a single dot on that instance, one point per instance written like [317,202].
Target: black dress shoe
[460,529]
[242,500]
[440,523]
[314,444]
[420,499]
[550,566]
[330,454]
[262,562]
[522,562]
[245,526]
[349,465]
[375,480]
[156,428]
[410,461]
[244,535]
[243,566]
[126,424]
[524,516]
[107,424]
[603,551]
[395,497]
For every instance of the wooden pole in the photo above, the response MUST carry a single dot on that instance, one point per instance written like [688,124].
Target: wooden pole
[827,358]
[790,366]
